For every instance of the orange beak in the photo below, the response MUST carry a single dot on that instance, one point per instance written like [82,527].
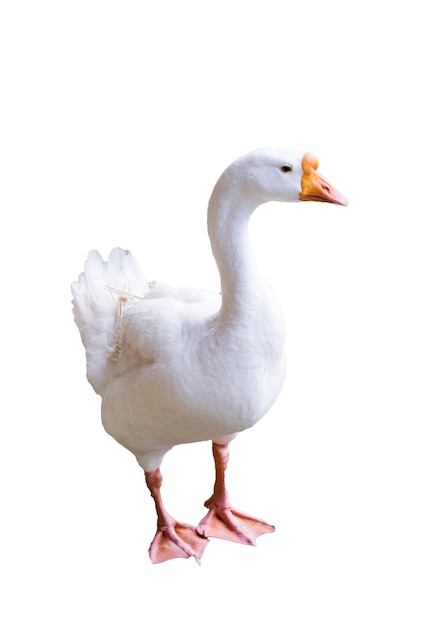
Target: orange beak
[315,187]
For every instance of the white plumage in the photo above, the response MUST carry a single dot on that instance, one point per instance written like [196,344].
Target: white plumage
[183,365]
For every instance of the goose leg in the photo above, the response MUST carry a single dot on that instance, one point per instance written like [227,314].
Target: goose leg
[222,520]
[173,539]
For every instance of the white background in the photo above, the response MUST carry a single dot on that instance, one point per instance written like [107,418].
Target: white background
[116,120]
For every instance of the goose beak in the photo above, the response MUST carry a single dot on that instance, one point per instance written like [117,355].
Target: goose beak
[315,187]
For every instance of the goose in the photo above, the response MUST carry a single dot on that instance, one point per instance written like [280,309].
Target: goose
[183,365]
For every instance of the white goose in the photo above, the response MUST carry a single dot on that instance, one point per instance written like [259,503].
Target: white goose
[176,366]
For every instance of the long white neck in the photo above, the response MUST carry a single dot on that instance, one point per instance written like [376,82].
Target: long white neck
[246,295]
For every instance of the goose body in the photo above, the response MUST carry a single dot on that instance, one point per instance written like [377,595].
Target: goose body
[178,366]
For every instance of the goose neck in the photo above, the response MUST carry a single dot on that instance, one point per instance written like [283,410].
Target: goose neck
[242,285]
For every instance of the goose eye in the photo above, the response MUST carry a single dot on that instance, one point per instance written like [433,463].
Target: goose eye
[286,168]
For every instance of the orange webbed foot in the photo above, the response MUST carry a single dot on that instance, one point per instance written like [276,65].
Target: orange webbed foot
[173,539]
[223,521]
[228,523]
[177,540]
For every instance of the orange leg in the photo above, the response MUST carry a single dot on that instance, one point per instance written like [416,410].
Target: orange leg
[222,521]
[173,539]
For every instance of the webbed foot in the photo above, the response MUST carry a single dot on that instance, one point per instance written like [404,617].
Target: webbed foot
[228,523]
[177,540]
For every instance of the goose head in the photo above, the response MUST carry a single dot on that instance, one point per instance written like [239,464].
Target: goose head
[285,176]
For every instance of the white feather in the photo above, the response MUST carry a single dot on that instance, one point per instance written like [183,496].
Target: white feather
[183,365]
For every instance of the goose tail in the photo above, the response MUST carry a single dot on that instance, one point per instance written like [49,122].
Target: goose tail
[99,292]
